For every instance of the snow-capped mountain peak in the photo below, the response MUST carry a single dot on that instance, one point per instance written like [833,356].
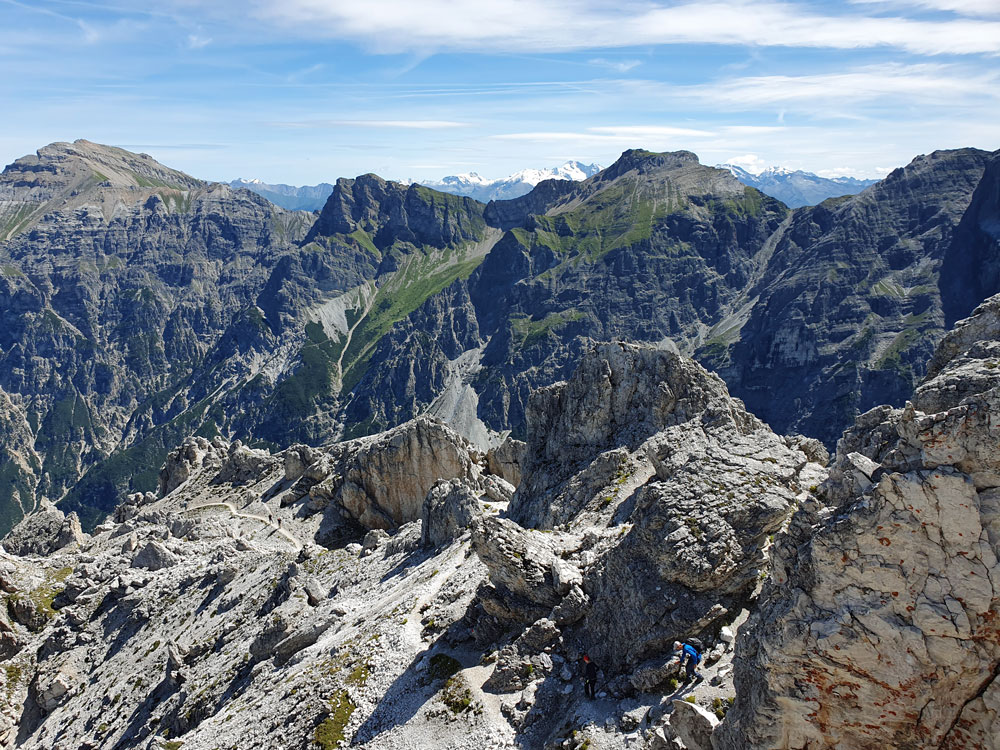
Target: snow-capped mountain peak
[795,187]
[476,186]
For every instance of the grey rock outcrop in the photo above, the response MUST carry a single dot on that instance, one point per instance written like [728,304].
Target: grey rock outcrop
[154,556]
[618,397]
[505,460]
[382,481]
[522,564]
[183,461]
[449,509]
[662,491]
[693,725]
[878,627]
[43,532]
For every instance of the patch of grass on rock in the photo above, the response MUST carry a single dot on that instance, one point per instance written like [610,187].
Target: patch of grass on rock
[330,732]
[457,696]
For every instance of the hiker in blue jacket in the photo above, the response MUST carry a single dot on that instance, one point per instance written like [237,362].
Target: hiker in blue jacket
[690,658]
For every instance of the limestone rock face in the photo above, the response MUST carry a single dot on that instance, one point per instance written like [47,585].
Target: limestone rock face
[618,397]
[653,493]
[879,627]
[523,585]
[693,725]
[182,462]
[695,548]
[43,532]
[505,460]
[449,509]
[386,478]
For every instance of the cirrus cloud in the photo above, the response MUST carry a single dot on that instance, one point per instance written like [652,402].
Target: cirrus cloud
[560,25]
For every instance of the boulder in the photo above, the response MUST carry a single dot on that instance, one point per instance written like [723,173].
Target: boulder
[23,610]
[504,460]
[372,540]
[54,692]
[497,489]
[386,477]
[154,556]
[296,460]
[184,460]
[449,509]
[693,725]
[242,465]
[520,563]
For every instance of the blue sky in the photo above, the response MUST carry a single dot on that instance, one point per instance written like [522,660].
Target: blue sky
[304,91]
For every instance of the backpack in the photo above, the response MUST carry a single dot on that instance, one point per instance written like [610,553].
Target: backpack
[696,644]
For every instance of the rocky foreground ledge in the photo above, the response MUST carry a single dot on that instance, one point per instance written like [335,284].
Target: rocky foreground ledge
[397,591]
[880,623]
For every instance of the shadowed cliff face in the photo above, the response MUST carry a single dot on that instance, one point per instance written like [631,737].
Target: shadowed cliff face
[849,306]
[971,269]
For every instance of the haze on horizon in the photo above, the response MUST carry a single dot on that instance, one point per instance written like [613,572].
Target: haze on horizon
[304,91]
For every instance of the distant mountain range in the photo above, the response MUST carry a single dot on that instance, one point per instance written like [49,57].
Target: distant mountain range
[796,188]
[305,198]
[141,305]
[471,185]
[520,183]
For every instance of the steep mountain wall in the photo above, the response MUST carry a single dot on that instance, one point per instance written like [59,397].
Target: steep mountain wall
[879,624]
[140,304]
[810,316]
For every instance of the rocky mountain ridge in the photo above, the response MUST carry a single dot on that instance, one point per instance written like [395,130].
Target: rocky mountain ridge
[310,598]
[836,307]
[231,316]
[143,309]
[377,591]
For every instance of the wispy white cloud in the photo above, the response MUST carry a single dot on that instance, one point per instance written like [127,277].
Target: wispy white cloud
[171,146]
[195,41]
[562,25]
[400,124]
[640,131]
[751,129]
[920,85]
[983,8]
[619,66]
[614,136]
